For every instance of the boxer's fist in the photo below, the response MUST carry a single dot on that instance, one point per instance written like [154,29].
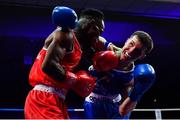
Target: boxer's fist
[104,61]
[84,84]
[64,17]
[144,76]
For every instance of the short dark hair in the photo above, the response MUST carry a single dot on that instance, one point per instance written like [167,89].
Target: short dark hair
[145,39]
[93,13]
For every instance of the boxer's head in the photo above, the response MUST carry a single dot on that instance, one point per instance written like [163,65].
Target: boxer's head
[137,46]
[91,23]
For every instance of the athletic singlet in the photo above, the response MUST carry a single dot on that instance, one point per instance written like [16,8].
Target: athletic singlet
[70,60]
[113,82]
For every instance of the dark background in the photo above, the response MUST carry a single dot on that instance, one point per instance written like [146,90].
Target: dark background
[24,28]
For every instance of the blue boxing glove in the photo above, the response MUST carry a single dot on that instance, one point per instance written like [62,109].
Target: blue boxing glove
[64,17]
[144,76]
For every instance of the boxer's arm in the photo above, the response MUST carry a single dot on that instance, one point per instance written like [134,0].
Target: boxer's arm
[108,45]
[127,89]
[144,76]
[50,38]
[66,19]
[55,53]
[127,106]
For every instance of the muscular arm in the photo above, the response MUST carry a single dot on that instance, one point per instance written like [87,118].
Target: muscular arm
[50,38]
[55,53]
[127,105]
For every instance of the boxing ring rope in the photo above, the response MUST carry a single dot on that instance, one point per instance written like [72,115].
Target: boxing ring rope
[158,114]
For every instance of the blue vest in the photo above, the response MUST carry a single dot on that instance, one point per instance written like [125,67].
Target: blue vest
[112,83]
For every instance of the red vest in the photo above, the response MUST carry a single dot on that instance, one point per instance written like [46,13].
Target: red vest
[70,60]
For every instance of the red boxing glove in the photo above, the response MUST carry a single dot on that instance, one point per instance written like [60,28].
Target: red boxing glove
[85,83]
[104,61]
[69,81]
